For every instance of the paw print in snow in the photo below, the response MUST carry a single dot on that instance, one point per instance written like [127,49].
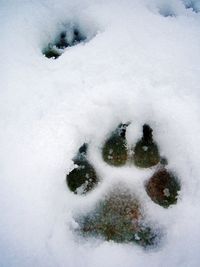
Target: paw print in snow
[119,215]
[69,37]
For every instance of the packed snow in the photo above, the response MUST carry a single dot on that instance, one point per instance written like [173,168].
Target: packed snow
[140,64]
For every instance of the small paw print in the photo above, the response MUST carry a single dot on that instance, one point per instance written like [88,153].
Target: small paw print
[70,36]
[119,215]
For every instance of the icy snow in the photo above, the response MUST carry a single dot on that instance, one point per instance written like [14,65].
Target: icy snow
[141,65]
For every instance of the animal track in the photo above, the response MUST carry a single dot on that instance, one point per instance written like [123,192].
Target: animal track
[119,215]
[67,38]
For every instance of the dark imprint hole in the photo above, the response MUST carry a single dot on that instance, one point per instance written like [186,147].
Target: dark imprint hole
[118,218]
[163,188]
[68,38]
[83,178]
[115,151]
[146,152]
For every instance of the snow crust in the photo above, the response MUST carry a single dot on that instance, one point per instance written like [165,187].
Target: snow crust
[140,65]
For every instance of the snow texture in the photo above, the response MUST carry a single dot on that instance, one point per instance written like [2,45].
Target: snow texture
[140,64]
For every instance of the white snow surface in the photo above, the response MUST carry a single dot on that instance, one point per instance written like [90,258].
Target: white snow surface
[139,65]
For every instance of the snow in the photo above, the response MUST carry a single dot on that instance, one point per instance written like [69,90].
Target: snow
[141,64]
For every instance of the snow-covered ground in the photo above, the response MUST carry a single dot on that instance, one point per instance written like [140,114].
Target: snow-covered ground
[141,63]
